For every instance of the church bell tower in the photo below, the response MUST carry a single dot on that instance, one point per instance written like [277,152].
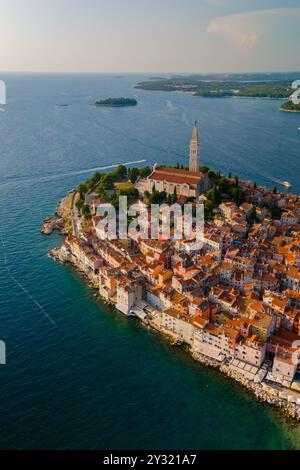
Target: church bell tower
[194,150]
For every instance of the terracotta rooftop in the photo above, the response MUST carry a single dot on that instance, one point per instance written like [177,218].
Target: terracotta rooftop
[175,175]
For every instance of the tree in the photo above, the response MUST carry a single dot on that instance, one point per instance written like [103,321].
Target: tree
[203,169]
[237,194]
[276,212]
[174,196]
[106,184]
[208,210]
[133,174]
[120,172]
[214,196]
[94,179]
[252,218]
[212,175]
[79,204]
[82,189]
[86,211]
[144,172]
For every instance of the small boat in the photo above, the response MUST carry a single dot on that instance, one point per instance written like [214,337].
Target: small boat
[287,184]
[131,313]
[176,343]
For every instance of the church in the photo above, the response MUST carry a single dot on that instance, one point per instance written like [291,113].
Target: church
[188,183]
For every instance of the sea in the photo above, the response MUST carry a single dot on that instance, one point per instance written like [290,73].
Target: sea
[78,374]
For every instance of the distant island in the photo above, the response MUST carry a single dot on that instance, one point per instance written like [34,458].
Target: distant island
[290,107]
[117,102]
[276,86]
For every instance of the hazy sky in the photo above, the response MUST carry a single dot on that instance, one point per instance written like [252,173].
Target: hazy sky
[149,35]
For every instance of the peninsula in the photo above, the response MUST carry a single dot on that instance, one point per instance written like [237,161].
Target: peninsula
[117,102]
[290,107]
[233,301]
[276,86]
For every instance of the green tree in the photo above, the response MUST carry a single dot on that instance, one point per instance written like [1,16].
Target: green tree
[120,172]
[252,218]
[79,204]
[208,210]
[144,172]
[276,212]
[86,211]
[133,174]
[106,184]
[214,196]
[237,194]
[203,169]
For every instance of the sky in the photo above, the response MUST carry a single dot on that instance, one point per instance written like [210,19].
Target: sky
[146,36]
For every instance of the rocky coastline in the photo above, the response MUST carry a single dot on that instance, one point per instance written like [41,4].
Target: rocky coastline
[263,392]
[51,224]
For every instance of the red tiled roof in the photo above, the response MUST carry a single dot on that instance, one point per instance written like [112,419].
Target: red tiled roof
[174,175]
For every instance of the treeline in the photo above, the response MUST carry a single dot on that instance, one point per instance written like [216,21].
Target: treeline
[221,88]
[224,189]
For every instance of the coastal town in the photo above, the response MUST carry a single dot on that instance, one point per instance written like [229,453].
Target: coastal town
[234,302]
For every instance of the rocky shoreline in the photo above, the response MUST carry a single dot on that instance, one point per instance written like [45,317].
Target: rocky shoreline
[289,110]
[51,224]
[60,221]
[263,392]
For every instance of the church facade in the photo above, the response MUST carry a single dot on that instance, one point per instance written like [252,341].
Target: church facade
[186,183]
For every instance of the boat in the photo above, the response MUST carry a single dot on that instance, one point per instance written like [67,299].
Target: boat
[177,343]
[131,313]
[62,105]
[287,184]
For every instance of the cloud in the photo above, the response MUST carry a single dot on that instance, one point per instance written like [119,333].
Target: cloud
[246,30]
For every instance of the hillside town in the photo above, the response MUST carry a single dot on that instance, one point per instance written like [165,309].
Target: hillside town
[235,301]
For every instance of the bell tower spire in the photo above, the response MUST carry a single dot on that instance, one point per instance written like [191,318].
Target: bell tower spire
[194,150]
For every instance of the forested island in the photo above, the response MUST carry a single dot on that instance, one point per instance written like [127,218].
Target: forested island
[117,102]
[276,86]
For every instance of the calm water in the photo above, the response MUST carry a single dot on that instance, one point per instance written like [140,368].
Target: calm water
[95,379]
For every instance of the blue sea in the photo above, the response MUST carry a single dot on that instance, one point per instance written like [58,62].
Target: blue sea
[79,375]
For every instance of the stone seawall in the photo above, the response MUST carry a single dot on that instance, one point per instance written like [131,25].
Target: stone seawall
[262,391]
